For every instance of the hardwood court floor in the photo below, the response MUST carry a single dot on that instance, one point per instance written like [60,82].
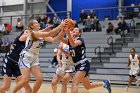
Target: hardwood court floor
[46,88]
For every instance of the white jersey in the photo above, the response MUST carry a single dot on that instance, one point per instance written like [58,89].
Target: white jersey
[29,55]
[134,62]
[134,66]
[32,46]
[65,58]
[67,63]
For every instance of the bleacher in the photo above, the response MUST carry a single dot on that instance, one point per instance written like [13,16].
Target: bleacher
[112,65]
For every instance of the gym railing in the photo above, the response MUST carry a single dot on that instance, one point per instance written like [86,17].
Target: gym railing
[12,19]
[99,52]
[112,12]
[111,43]
[133,25]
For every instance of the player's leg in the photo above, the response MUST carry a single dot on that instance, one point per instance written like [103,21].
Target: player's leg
[65,82]
[6,84]
[36,72]
[55,81]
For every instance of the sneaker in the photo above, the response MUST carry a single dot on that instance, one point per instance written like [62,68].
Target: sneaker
[126,89]
[107,85]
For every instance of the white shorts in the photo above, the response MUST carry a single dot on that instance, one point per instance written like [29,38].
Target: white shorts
[27,60]
[65,69]
[134,72]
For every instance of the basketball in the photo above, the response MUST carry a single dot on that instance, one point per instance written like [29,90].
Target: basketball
[70,23]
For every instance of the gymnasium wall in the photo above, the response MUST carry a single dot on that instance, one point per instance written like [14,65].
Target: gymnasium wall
[129,2]
[78,5]
[58,5]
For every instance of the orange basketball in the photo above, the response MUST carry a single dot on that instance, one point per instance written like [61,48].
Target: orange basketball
[70,23]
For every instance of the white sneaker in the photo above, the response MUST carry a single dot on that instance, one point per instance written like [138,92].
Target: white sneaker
[126,89]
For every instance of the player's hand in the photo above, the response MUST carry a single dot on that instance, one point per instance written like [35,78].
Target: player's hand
[48,28]
[63,24]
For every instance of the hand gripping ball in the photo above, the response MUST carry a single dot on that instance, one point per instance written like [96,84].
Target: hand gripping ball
[70,23]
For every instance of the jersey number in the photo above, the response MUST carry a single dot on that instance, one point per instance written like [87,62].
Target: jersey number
[72,52]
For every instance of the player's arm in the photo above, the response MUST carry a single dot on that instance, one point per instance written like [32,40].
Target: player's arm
[24,35]
[42,34]
[59,55]
[129,62]
[53,39]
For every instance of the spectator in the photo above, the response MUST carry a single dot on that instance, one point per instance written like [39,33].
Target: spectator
[38,18]
[2,28]
[6,42]
[8,29]
[19,25]
[92,14]
[96,25]
[83,16]
[49,22]
[122,26]
[42,22]
[88,23]
[54,60]
[6,45]
[110,28]
[55,21]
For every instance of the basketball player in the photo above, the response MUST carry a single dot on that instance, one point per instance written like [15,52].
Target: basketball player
[65,68]
[10,66]
[29,62]
[133,62]
[82,66]
[65,65]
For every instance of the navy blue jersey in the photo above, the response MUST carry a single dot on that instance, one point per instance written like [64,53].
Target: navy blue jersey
[79,52]
[14,53]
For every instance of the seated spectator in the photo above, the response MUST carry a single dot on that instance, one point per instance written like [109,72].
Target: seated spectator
[92,14]
[8,29]
[122,26]
[43,22]
[55,21]
[6,42]
[88,23]
[6,45]
[96,25]
[54,61]
[38,18]
[49,22]
[19,25]
[2,28]
[110,28]
[83,16]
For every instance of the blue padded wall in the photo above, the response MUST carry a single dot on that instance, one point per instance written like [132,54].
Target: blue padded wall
[78,5]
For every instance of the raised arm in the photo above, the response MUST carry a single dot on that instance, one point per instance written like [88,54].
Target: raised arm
[43,34]
[24,35]
[72,42]
[56,38]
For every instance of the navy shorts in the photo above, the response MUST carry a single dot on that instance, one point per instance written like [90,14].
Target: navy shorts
[83,67]
[10,68]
